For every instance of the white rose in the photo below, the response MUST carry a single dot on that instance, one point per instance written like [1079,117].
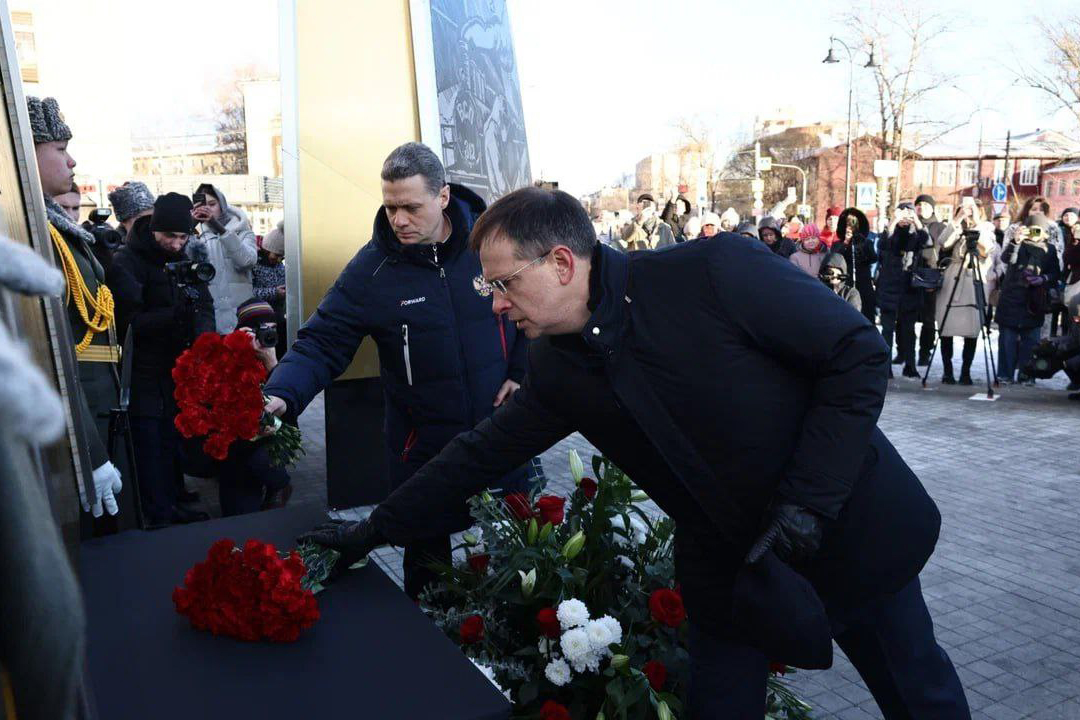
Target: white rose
[557,672]
[599,635]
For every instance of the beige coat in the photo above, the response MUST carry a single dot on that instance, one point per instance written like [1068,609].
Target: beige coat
[963,320]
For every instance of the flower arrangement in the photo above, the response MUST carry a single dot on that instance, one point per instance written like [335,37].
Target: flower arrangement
[219,394]
[570,605]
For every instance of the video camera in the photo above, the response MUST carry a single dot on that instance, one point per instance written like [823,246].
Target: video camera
[189,272]
[103,233]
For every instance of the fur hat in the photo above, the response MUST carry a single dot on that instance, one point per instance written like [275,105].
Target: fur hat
[46,120]
[131,199]
[275,240]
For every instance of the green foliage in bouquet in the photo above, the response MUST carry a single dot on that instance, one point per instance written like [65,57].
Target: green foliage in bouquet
[571,608]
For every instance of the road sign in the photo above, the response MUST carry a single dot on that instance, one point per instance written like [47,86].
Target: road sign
[764,164]
[999,207]
[758,205]
[886,168]
[757,185]
[803,210]
[999,192]
[865,194]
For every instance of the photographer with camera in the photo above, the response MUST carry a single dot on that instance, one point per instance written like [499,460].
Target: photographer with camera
[230,248]
[1031,268]
[902,250]
[247,481]
[963,288]
[164,298]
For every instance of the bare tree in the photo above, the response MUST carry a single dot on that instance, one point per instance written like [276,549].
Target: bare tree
[229,121]
[1059,77]
[697,134]
[902,38]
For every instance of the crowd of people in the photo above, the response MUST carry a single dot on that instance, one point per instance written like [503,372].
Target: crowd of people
[925,280]
[175,267]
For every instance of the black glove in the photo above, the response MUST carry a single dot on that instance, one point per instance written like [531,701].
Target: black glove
[354,540]
[793,533]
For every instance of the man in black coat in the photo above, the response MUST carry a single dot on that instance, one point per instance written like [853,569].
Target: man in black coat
[166,313]
[740,395]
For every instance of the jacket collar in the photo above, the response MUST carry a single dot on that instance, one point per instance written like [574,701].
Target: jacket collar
[609,285]
[141,242]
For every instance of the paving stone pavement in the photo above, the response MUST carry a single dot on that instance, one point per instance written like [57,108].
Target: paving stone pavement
[1004,583]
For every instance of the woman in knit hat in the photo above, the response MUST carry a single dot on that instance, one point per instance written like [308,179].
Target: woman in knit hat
[809,255]
[268,279]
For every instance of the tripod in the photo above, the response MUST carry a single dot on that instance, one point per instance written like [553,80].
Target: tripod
[979,292]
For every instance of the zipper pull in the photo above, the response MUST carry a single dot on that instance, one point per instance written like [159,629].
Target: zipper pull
[408,360]
[442,273]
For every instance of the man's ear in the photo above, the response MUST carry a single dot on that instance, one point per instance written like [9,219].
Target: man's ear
[444,196]
[565,264]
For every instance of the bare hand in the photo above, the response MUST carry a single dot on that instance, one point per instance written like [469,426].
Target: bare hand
[202,213]
[274,406]
[508,388]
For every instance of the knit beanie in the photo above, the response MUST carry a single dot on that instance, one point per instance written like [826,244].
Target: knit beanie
[130,199]
[274,241]
[46,121]
[926,199]
[172,213]
[252,313]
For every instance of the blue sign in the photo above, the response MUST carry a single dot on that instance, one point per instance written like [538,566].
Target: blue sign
[998,192]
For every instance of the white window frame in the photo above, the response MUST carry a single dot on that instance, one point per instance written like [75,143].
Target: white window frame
[969,172]
[1029,173]
[923,174]
[945,173]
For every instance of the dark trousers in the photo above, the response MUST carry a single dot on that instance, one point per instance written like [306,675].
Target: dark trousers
[888,328]
[867,294]
[246,476]
[890,642]
[1014,349]
[967,358]
[905,334]
[928,318]
[157,446]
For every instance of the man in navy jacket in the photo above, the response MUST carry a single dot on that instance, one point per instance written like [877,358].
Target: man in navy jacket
[446,360]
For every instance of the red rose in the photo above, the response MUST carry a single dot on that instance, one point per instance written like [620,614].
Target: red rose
[479,562]
[472,629]
[551,508]
[518,504]
[588,486]
[666,607]
[777,668]
[548,622]
[552,710]
[657,674]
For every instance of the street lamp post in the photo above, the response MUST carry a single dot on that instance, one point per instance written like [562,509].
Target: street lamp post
[831,58]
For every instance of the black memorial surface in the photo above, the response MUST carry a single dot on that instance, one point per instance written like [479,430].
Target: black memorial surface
[372,654]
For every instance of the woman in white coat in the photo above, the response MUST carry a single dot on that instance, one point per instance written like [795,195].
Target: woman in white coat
[962,286]
[230,247]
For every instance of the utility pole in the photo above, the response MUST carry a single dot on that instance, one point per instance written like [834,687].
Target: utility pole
[1008,175]
[757,185]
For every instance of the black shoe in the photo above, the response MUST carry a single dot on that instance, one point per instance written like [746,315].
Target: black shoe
[187,497]
[947,378]
[897,360]
[277,498]
[910,372]
[965,378]
[183,516]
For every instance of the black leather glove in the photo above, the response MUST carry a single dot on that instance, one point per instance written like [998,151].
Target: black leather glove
[792,532]
[354,540]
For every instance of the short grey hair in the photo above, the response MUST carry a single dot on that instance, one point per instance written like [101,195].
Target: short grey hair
[415,159]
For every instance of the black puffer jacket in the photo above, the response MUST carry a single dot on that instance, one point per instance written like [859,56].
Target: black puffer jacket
[1017,301]
[164,317]
[894,280]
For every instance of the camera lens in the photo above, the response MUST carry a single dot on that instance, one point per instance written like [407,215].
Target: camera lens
[204,272]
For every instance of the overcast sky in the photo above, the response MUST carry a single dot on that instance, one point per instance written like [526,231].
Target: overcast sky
[602,80]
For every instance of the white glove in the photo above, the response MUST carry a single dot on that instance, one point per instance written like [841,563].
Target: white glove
[107,484]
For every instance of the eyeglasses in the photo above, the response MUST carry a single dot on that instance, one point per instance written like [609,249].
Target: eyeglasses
[486,287]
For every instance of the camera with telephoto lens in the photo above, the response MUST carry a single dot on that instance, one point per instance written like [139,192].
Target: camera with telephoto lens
[266,334]
[189,272]
[96,225]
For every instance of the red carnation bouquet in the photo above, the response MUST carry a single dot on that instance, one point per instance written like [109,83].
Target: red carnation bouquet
[219,393]
[255,593]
